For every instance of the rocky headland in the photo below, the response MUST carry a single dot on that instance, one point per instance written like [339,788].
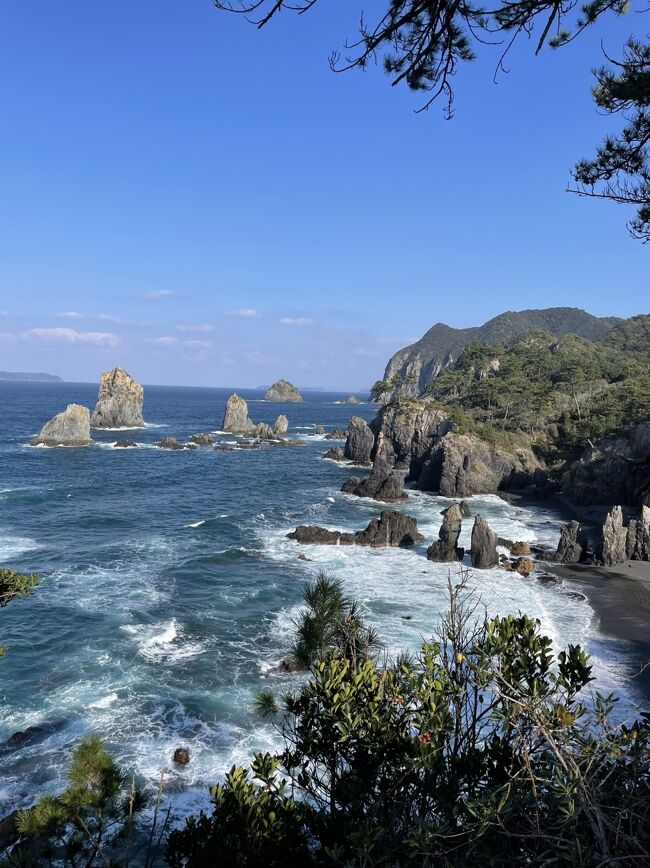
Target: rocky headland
[283,391]
[119,402]
[69,428]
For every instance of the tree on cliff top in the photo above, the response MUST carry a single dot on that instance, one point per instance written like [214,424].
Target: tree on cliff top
[423,43]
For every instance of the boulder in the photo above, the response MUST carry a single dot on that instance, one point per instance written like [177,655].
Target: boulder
[359,442]
[383,484]
[281,426]
[119,402]
[263,431]
[465,511]
[484,545]
[638,536]
[352,399]
[445,549]
[283,391]
[201,439]
[319,430]
[350,485]
[572,545]
[392,528]
[69,428]
[524,566]
[236,419]
[9,833]
[336,434]
[125,444]
[334,454]
[520,548]
[613,545]
[181,756]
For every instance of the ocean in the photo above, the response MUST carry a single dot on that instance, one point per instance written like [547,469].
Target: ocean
[169,589]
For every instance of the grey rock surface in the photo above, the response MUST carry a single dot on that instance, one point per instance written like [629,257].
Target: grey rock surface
[119,402]
[69,428]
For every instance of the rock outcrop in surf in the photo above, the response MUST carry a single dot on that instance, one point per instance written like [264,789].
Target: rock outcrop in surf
[237,421]
[283,391]
[69,428]
[484,545]
[391,529]
[445,549]
[119,402]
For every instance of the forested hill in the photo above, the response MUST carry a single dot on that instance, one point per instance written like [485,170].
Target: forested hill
[411,370]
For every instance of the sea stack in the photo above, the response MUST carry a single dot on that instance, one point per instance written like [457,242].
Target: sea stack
[283,391]
[119,402]
[236,419]
[484,545]
[69,428]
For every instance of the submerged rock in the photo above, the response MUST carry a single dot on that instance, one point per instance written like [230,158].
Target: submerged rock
[236,419]
[125,444]
[392,529]
[484,545]
[352,399]
[359,442]
[69,428]
[445,548]
[119,402]
[283,391]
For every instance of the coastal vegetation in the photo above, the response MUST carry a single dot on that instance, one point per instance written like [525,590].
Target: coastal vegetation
[483,749]
[12,585]
[558,393]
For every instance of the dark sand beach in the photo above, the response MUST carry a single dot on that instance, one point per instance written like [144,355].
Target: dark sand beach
[620,597]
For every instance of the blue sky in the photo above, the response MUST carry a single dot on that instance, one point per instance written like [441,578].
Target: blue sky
[207,204]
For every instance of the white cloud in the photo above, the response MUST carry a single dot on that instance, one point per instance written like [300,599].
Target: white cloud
[299,321]
[195,327]
[105,317]
[163,341]
[245,312]
[155,294]
[72,336]
[363,351]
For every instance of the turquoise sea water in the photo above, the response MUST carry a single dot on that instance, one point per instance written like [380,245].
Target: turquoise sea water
[169,587]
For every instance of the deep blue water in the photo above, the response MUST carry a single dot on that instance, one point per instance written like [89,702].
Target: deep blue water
[168,586]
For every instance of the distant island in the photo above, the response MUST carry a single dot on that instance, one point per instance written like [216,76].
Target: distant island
[30,377]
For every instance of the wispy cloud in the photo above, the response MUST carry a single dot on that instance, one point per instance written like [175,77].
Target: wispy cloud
[156,294]
[298,321]
[163,341]
[244,312]
[7,338]
[4,313]
[104,317]
[195,327]
[71,336]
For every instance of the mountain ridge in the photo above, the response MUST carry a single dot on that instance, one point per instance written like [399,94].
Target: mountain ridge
[413,368]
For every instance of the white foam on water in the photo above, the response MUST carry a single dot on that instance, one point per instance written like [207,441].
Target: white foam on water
[163,643]
[56,445]
[196,523]
[125,427]
[14,546]
[104,702]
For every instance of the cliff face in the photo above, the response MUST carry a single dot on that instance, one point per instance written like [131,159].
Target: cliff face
[119,402]
[614,470]
[415,437]
[410,370]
